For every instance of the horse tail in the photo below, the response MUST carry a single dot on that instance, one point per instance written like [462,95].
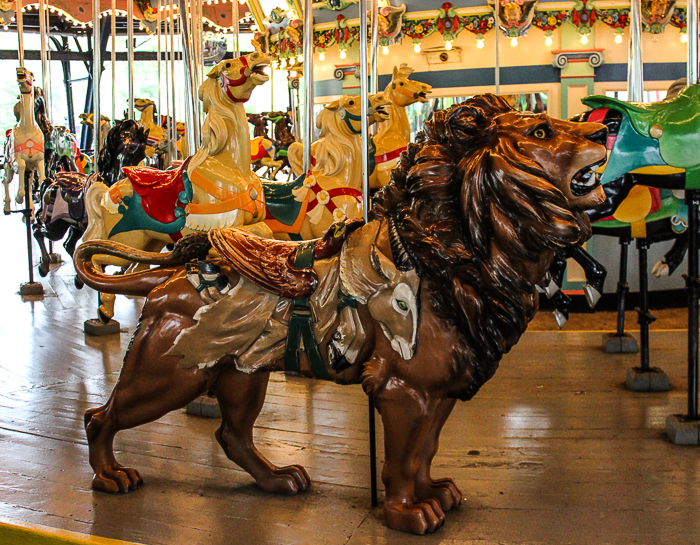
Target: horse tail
[195,246]
[93,203]
[295,154]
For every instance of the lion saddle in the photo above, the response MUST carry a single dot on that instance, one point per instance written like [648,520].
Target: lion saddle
[292,293]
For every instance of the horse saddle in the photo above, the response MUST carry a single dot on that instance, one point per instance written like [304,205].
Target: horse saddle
[280,267]
[72,187]
[161,191]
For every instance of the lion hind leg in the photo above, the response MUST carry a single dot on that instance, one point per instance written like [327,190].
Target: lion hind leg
[150,385]
[241,397]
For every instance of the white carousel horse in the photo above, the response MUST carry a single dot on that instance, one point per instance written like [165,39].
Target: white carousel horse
[394,135]
[24,149]
[214,188]
[156,134]
[105,125]
[332,190]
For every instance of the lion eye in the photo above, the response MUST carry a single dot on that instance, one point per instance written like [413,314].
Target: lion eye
[541,133]
[402,305]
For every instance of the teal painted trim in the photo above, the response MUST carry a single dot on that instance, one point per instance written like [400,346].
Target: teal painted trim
[134,218]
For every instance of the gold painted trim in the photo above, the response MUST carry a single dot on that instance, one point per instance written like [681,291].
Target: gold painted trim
[258,13]
[19,532]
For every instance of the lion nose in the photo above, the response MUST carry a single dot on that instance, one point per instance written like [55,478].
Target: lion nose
[599,137]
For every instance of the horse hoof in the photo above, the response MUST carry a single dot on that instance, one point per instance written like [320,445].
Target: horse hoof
[43,269]
[55,258]
[78,283]
[102,315]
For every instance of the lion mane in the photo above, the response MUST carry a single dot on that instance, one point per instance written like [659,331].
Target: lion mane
[473,251]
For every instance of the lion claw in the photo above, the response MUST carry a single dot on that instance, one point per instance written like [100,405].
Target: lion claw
[117,480]
[423,517]
[285,480]
[444,491]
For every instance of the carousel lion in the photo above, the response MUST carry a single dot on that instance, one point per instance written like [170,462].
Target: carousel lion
[418,305]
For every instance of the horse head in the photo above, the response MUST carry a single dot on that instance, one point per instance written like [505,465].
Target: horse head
[388,286]
[143,104]
[238,77]
[403,91]
[25,80]
[348,110]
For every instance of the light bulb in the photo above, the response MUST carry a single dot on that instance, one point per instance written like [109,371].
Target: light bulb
[416,48]
[480,44]
[684,37]
[448,46]
[343,54]
[385,50]
[513,42]
[274,65]
[283,63]
[584,39]
[321,56]
[267,70]
[293,74]
[548,41]
[300,58]
[618,39]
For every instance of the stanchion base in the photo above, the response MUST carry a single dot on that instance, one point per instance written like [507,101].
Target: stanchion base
[653,380]
[31,288]
[97,327]
[620,344]
[55,258]
[205,406]
[683,431]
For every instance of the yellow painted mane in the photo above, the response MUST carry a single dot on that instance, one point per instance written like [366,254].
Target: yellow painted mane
[335,149]
[215,133]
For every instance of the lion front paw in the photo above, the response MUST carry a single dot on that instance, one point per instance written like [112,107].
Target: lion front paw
[444,491]
[116,479]
[422,517]
[285,480]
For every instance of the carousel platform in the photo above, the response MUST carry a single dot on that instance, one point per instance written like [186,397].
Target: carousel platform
[553,450]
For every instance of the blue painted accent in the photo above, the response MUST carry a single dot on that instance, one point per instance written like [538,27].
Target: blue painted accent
[513,75]
[653,71]
[135,218]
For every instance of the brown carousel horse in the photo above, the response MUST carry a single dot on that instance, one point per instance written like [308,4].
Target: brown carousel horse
[474,213]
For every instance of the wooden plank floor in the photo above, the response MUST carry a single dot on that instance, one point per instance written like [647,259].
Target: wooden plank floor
[552,450]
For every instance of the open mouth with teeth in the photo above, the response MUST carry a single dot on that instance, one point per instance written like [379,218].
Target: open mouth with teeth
[586,179]
[422,96]
[381,112]
[259,71]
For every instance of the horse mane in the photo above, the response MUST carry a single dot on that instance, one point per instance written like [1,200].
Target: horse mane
[473,211]
[335,148]
[214,134]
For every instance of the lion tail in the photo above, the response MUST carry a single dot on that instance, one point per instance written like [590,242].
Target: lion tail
[195,246]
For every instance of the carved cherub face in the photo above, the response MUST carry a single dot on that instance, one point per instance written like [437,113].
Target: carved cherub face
[512,13]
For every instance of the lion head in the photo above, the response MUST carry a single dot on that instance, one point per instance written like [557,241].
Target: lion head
[481,203]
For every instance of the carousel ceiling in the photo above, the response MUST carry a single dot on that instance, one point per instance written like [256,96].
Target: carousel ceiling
[278,23]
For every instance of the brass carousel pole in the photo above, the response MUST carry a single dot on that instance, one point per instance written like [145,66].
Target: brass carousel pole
[96,81]
[114,60]
[130,54]
[31,287]
[161,108]
[692,199]
[309,82]
[45,82]
[189,54]
[173,113]
[236,30]
[497,73]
